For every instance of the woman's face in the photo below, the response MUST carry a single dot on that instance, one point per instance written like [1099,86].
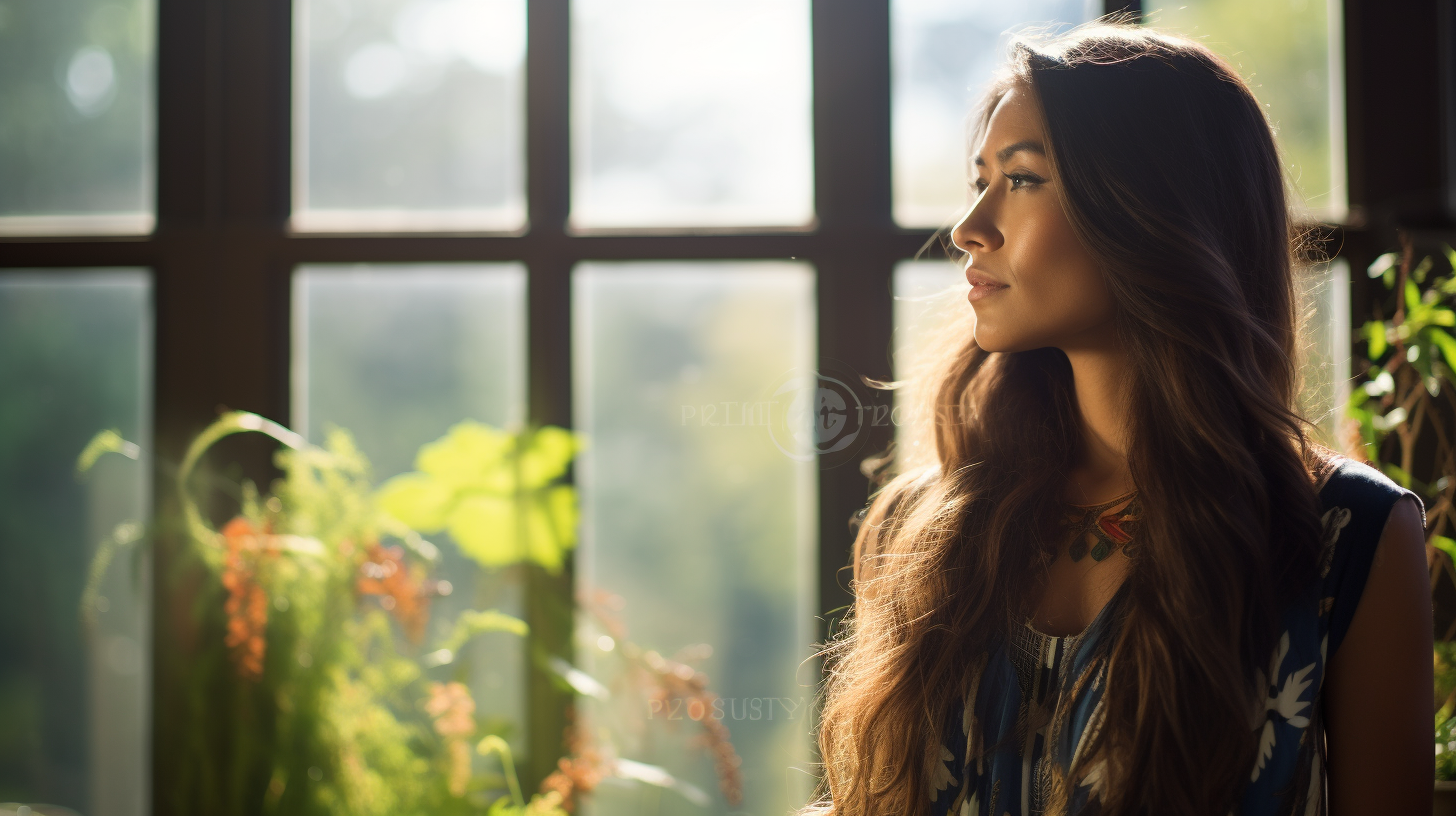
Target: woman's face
[1033,285]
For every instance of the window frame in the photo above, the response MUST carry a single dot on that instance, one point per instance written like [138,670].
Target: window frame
[222,255]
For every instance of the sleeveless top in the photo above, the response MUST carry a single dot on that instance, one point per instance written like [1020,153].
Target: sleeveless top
[1013,692]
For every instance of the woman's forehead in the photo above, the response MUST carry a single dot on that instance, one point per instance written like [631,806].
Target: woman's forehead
[1015,118]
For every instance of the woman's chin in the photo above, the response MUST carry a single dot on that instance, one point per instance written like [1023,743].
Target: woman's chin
[990,340]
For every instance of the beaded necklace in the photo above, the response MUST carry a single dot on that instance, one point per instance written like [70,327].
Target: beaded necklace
[1100,529]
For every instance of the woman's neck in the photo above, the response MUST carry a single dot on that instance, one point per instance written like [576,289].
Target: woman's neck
[1100,376]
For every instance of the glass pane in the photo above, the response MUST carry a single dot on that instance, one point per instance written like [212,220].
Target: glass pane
[409,114]
[75,674]
[76,131]
[396,355]
[696,521]
[1282,49]
[943,54]
[931,311]
[691,113]
[1324,292]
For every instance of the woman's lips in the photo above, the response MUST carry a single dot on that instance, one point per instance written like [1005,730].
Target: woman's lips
[981,286]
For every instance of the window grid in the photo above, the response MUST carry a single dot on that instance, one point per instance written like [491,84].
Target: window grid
[222,256]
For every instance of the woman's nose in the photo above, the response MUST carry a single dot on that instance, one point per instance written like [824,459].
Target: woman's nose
[977,232]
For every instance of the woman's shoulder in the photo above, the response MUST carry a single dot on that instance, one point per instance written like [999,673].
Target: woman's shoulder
[1348,483]
[1355,503]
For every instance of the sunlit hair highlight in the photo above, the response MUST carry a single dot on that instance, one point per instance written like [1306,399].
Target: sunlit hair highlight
[1169,175]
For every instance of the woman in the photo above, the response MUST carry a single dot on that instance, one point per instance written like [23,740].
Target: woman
[1130,583]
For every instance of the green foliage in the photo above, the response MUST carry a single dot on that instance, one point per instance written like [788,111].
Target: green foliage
[108,441]
[478,622]
[1409,360]
[495,492]
[1446,713]
[304,695]
[1405,407]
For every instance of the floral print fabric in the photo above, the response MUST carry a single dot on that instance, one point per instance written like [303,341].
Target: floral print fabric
[1002,736]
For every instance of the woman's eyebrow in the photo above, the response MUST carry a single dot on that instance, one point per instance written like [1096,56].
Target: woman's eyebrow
[1004,154]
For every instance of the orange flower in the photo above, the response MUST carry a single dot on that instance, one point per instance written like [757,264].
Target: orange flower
[578,773]
[386,575]
[453,709]
[678,680]
[247,602]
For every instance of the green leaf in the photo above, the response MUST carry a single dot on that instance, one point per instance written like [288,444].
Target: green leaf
[1419,355]
[493,744]
[542,545]
[565,514]
[1422,269]
[1380,385]
[1358,397]
[1383,264]
[105,442]
[541,804]
[484,527]
[474,622]
[1388,422]
[1412,296]
[493,491]
[466,454]
[546,456]
[505,807]
[232,422]
[1445,544]
[579,681]
[346,453]
[1442,317]
[1446,343]
[654,775]
[1374,332]
[123,536]
[417,500]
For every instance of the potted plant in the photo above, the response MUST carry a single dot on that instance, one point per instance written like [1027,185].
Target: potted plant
[312,683]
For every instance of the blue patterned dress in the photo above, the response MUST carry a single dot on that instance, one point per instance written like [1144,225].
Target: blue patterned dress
[1013,693]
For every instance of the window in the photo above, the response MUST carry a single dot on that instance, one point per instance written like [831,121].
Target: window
[944,55]
[409,115]
[629,218]
[75,678]
[77,128]
[397,354]
[691,114]
[1289,52]
[693,516]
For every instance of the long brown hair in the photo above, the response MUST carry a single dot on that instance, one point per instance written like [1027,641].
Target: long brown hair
[1170,176]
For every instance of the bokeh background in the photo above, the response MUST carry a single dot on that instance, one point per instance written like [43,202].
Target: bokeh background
[629,217]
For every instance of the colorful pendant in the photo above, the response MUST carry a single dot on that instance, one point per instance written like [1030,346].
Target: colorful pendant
[1101,529]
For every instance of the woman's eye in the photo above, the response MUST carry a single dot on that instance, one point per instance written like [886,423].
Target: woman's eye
[1021,180]
[980,185]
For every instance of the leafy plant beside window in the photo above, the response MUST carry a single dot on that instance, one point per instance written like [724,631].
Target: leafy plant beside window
[1403,419]
[310,685]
